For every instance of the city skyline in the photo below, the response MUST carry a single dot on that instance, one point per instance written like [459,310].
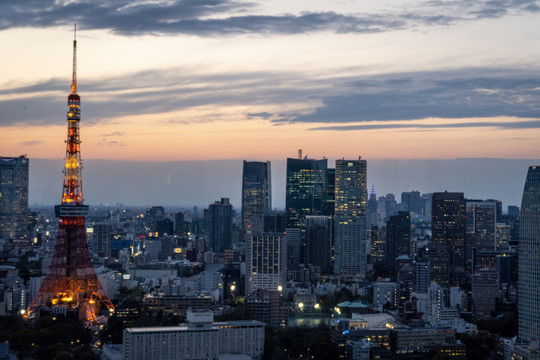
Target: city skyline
[189,183]
[217,80]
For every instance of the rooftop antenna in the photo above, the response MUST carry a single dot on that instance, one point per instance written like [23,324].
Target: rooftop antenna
[74,75]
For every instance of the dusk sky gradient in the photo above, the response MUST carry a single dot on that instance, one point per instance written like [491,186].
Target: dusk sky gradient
[219,80]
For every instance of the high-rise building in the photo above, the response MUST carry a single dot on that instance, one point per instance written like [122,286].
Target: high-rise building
[529,264]
[101,239]
[412,202]
[513,210]
[398,236]
[256,194]
[350,224]
[306,190]
[485,291]
[372,213]
[448,229]
[266,262]
[218,225]
[481,223]
[14,198]
[377,237]
[422,276]
[319,242]
[295,248]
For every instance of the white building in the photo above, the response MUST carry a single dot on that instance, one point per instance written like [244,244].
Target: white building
[200,339]
[266,266]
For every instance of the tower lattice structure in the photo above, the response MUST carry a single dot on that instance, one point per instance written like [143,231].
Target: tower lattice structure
[71,283]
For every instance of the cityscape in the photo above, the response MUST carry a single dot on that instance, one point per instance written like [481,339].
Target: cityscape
[207,230]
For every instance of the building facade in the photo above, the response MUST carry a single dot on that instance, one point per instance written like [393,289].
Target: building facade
[266,262]
[256,194]
[448,231]
[201,338]
[529,261]
[350,221]
[306,190]
[14,198]
[218,225]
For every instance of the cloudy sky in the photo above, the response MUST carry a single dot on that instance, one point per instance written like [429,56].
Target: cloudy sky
[185,80]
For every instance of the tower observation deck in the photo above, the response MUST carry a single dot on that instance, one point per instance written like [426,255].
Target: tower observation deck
[71,284]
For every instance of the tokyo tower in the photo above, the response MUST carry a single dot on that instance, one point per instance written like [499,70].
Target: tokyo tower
[71,283]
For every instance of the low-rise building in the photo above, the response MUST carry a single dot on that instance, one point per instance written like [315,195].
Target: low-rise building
[200,338]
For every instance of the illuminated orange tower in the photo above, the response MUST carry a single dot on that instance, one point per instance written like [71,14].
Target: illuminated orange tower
[71,283]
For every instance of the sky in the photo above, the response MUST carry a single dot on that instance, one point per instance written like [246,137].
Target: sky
[180,81]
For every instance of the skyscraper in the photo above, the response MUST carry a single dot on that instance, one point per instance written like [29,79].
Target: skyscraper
[529,262]
[448,229]
[306,190]
[266,261]
[481,223]
[350,231]
[398,236]
[14,198]
[256,194]
[218,225]
[319,242]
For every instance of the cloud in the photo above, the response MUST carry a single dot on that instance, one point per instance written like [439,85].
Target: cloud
[263,115]
[532,124]
[464,93]
[452,95]
[225,17]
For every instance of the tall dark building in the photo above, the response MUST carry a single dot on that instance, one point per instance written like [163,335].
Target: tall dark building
[179,223]
[372,215]
[256,194]
[448,229]
[481,223]
[101,239]
[412,202]
[306,190]
[218,225]
[377,237]
[529,263]
[319,242]
[14,198]
[350,224]
[398,236]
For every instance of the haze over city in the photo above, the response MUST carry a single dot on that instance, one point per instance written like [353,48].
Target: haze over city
[225,80]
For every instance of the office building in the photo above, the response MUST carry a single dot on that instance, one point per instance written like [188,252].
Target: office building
[529,264]
[481,224]
[350,223]
[268,307]
[485,291]
[412,202]
[306,190]
[266,259]
[256,194]
[101,239]
[319,242]
[448,230]
[377,238]
[218,225]
[398,236]
[295,248]
[14,198]
[201,338]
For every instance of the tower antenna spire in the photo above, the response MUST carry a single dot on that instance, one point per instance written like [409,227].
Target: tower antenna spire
[74,76]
